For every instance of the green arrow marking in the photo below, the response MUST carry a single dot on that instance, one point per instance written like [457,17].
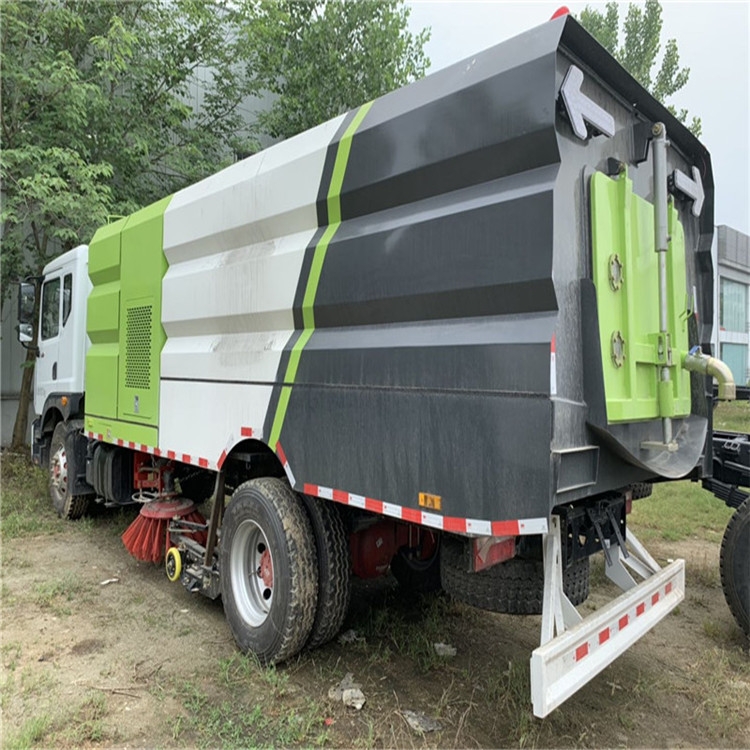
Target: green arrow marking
[313,279]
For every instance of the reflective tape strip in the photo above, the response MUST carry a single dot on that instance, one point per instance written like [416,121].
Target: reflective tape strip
[285,464]
[623,622]
[204,463]
[553,367]
[563,665]
[467,526]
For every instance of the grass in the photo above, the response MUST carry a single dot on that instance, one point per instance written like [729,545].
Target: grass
[241,704]
[26,509]
[733,416]
[404,624]
[718,677]
[32,732]
[235,719]
[57,594]
[678,511]
[86,725]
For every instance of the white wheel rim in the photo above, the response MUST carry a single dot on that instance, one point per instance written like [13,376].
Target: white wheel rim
[59,471]
[251,573]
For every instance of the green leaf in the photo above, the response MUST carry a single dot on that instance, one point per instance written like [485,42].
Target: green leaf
[637,45]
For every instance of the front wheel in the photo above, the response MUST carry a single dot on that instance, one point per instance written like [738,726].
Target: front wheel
[269,576]
[62,473]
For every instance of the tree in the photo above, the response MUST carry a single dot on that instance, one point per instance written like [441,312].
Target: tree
[319,59]
[95,120]
[639,51]
[98,114]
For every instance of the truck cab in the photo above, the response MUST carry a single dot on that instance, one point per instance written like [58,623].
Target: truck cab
[61,343]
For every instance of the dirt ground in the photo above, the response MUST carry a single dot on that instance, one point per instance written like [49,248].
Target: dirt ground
[101,650]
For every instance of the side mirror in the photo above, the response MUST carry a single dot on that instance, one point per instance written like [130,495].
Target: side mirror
[26,305]
[25,332]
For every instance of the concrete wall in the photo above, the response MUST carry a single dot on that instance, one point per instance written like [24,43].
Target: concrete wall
[12,354]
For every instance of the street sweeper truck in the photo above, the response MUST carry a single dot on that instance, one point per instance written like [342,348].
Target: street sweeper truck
[451,334]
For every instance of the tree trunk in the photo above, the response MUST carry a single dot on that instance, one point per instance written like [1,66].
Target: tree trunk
[21,425]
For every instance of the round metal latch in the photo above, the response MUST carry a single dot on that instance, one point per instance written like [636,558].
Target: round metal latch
[618,349]
[615,272]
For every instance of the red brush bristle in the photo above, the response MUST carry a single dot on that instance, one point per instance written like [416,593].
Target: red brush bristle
[147,538]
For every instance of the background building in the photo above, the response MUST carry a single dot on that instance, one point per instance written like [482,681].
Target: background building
[731,337]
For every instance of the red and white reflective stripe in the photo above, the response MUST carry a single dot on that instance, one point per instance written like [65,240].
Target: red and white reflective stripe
[245,432]
[469,526]
[185,458]
[623,621]
[552,367]
[285,463]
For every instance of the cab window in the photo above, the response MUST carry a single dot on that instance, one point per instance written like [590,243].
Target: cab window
[51,308]
[67,297]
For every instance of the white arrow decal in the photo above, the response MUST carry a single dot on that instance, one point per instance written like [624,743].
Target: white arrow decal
[691,188]
[581,109]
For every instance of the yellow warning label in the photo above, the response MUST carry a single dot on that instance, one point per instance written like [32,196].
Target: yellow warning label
[430,501]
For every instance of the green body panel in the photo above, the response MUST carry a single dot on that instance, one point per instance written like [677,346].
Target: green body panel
[628,304]
[103,321]
[111,429]
[142,269]
[126,267]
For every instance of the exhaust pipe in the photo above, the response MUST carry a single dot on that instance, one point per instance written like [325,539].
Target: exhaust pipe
[696,361]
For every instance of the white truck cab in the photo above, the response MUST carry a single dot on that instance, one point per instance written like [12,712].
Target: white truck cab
[62,340]
[61,343]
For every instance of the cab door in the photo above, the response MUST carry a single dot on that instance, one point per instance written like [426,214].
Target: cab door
[49,340]
[55,371]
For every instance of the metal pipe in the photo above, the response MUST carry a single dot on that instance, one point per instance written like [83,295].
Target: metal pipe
[697,361]
[661,231]
[661,242]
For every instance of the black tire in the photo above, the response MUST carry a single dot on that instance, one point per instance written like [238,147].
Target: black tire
[415,574]
[641,490]
[735,566]
[269,575]
[334,570]
[515,587]
[62,465]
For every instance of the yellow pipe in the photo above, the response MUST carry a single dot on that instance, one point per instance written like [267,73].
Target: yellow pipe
[697,361]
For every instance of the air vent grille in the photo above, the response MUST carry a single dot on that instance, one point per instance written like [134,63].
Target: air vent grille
[138,347]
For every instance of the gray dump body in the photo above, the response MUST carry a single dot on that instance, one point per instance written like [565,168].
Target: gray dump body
[456,348]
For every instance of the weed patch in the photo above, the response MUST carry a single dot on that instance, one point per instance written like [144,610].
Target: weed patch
[56,596]
[32,733]
[25,509]
[233,721]
[680,510]
[733,416]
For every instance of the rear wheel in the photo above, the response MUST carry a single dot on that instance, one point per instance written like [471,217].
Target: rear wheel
[515,587]
[269,576]
[62,473]
[334,570]
[735,566]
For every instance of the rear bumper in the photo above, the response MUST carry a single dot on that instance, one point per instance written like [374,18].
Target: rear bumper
[563,665]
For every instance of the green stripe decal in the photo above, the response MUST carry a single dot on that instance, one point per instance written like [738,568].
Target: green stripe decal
[313,279]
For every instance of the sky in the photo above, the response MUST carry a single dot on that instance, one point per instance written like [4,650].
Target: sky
[712,38]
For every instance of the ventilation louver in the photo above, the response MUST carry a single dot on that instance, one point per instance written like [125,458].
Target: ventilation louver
[138,347]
